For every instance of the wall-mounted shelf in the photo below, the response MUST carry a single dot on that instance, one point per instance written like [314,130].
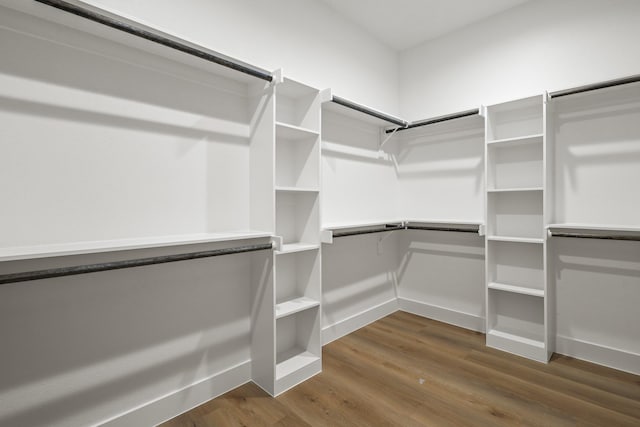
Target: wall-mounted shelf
[80,248]
[294,306]
[515,239]
[516,289]
[294,133]
[515,141]
[594,231]
[513,190]
[288,248]
[297,189]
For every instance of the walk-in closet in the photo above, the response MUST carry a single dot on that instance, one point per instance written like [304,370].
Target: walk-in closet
[319,212]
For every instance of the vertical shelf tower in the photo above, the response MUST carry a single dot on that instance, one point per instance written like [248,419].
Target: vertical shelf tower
[516,215]
[287,344]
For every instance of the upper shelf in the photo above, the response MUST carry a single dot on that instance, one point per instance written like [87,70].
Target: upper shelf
[359,111]
[595,231]
[121,29]
[294,133]
[79,248]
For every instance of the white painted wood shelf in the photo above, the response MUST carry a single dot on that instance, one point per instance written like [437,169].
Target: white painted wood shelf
[519,140]
[524,290]
[296,189]
[515,239]
[90,247]
[294,306]
[292,361]
[294,133]
[517,336]
[514,189]
[289,248]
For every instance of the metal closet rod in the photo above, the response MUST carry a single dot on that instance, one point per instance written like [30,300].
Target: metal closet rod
[117,265]
[407,226]
[156,38]
[438,119]
[595,86]
[386,227]
[595,236]
[441,228]
[361,108]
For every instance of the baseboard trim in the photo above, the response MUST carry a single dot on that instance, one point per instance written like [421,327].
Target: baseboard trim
[357,321]
[596,353]
[184,399]
[442,314]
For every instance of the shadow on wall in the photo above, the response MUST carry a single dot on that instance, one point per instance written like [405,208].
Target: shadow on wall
[596,155]
[356,276]
[97,345]
[105,68]
[444,269]
[597,289]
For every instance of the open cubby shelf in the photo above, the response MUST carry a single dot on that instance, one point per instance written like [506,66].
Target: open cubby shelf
[515,243]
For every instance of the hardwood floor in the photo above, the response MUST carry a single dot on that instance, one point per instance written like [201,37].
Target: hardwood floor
[405,370]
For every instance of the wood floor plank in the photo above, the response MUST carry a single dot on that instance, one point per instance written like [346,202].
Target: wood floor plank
[405,370]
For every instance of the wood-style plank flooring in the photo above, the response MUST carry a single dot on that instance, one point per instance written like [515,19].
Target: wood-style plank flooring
[405,370]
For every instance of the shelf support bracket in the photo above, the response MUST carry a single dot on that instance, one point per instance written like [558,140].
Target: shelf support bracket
[326,236]
[278,76]
[384,236]
[384,137]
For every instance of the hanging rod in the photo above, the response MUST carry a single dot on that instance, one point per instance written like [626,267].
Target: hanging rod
[386,227]
[117,265]
[438,119]
[595,236]
[442,228]
[361,108]
[159,39]
[595,86]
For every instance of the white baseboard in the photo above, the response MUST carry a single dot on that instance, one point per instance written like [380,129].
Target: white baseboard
[596,353]
[442,314]
[357,321]
[179,401]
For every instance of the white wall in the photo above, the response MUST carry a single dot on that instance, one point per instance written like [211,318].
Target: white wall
[541,45]
[311,42]
[358,282]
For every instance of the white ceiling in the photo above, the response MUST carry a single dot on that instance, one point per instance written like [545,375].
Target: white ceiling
[402,24]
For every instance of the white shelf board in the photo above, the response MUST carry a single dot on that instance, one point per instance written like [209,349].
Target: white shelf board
[444,221]
[515,239]
[516,289]
[344,225]
[514,189]
[88,247]
[358,115]
[511,336]
[294,133]
[109,33]
[595,227]
[519,140]
[296,305]
[292,361]
[288,248]
[296,189]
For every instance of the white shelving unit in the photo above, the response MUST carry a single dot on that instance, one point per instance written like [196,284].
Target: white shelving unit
[297,269]
[516,213]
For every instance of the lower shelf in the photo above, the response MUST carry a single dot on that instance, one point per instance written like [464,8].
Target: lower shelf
[295,366]
[514,343]
[292,361]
